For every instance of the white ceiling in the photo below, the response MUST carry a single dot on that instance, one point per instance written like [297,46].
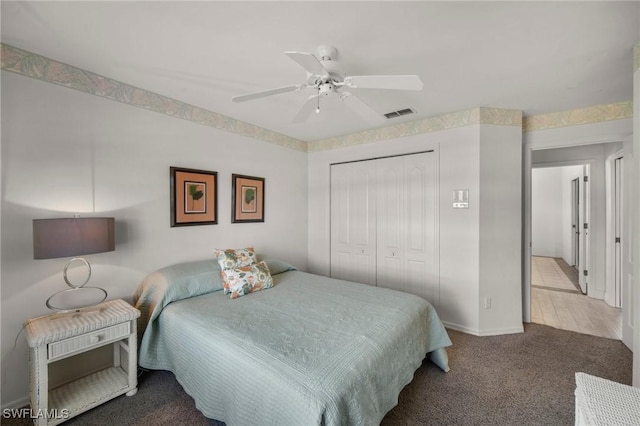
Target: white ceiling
[537,57]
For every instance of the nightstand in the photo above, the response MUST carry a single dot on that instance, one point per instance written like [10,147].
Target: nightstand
[58,336]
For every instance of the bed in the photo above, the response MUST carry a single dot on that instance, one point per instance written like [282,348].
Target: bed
[310,350]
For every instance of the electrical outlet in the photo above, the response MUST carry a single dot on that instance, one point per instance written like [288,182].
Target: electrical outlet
[487,303]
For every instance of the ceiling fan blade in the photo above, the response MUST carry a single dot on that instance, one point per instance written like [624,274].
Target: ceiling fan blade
[361,108]
[394,82]
[308,62]
[307,108]
[256,95]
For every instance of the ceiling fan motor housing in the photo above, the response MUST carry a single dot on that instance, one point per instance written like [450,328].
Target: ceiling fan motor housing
[327,56]
[327,53]
[326,89]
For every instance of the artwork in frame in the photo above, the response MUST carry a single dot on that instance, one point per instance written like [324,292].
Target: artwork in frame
[247,204]
[194,197]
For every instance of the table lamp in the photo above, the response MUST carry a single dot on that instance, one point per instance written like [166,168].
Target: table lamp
[73,237]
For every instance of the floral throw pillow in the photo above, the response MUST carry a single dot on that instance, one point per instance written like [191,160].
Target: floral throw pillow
[235,258]
[247,279]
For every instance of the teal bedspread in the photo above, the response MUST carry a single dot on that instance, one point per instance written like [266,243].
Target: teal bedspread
[309,351]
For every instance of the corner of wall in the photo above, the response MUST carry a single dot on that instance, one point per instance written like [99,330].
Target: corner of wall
[500,228]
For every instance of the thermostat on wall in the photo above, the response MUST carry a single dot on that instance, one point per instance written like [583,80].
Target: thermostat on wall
[460,198]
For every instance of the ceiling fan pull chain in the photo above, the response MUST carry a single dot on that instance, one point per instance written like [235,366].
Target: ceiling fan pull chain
[318,108]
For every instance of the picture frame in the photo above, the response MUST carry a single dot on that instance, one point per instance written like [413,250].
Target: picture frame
[247,198]
[194,197]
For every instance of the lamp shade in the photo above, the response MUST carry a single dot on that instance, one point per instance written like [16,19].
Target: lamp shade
[66,237]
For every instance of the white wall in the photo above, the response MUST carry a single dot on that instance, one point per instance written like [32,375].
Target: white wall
[66,152]
[546,212]
[551,231]
[459,153]
[500,229]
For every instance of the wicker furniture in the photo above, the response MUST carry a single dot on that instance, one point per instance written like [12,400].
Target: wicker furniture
[54,337]
[602,402]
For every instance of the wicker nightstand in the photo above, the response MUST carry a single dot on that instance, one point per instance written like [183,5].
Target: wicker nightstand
[54,337]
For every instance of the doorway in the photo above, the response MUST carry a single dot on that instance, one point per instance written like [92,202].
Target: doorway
[559,217]
[559,262]
[594,249]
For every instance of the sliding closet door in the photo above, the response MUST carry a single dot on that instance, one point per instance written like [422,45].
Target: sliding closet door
[383,223]
[406,225]
[353,222]
[390,226]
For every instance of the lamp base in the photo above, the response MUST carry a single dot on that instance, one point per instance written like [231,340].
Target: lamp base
[65,272]
[74,299]
[77,296]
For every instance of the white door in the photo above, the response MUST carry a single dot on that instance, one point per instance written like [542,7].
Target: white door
[626,249]
[575,222]
[406,225]
[353,222]
[390,226]
[617,226]
[583,268]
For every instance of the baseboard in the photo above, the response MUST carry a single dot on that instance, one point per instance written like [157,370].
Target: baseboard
[461,328]
[477,332]
[501,331]
[18,403]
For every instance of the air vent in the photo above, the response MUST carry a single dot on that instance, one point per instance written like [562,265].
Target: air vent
[399,113]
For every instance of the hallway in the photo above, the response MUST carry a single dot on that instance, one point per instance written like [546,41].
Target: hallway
[556,301]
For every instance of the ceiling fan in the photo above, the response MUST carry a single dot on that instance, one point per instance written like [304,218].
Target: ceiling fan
[325,76]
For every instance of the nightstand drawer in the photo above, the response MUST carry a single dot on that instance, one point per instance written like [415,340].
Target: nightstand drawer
[85,341]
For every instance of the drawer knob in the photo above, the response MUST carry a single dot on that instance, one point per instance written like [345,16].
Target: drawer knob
[95,339]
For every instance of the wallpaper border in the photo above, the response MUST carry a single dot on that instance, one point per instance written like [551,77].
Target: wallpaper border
[470,117]
[51,71]
[45,69]
[575,117]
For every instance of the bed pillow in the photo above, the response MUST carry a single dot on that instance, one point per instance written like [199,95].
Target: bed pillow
[173,283]
[277,266]
[247,279]
[235,258]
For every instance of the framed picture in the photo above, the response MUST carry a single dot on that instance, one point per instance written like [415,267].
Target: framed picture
[194,197]
[247,202]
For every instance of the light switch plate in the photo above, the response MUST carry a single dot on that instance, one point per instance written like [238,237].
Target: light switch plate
[460,198]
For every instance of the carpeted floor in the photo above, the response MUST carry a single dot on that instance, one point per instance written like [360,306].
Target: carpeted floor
[518,379]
